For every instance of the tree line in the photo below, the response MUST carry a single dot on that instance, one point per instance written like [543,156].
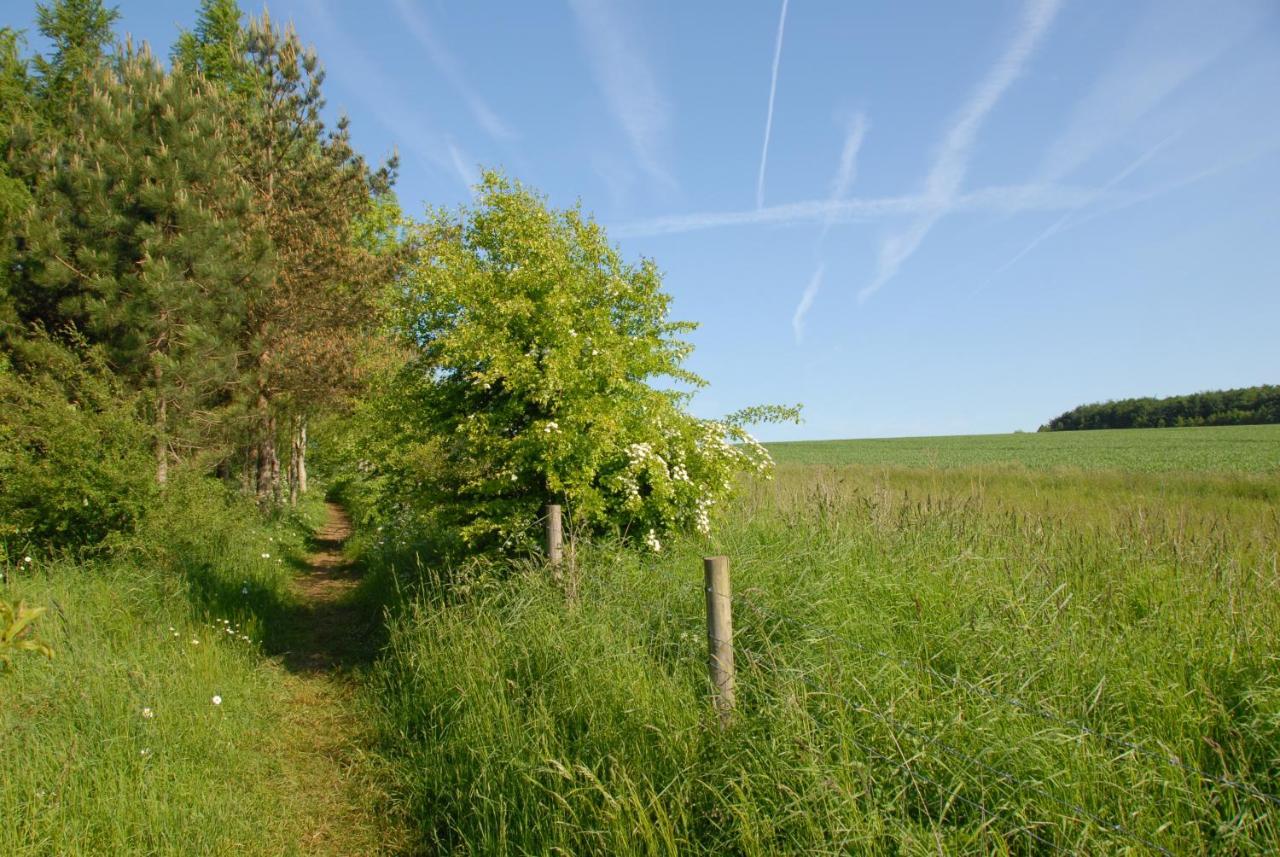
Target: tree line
[1243,406]
[199,273]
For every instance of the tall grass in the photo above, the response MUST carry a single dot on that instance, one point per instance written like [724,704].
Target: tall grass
[157,727]
[966,661]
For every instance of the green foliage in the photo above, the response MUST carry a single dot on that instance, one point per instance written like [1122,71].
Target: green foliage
[16,620]
[139,236]
[74,466]
[542,372]
[80,32]
[217,47]
[1243,406]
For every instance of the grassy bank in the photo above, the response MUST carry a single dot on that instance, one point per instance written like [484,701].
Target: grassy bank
[161,726]
[968,660]
[1231,449]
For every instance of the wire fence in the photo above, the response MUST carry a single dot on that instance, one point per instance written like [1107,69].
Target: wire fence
[937,744]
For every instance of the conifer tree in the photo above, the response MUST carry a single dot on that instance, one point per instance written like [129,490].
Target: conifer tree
[142,226]
[80,31]
[216,47]
[311,188]
[15,108]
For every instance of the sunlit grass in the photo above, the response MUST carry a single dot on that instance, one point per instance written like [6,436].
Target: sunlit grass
[160,726]
[920,653]
[1241,449]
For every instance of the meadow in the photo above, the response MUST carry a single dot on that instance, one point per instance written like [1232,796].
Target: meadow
[974,658]
[1235,449]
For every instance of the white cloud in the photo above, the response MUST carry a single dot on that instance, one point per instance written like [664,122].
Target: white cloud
[627,83]
[942,184]
[768,120]
[1064,221]
[1170,46]
[847,171]
[463,166]
[447,64]
[806,302]
[1005,199]
[378,91]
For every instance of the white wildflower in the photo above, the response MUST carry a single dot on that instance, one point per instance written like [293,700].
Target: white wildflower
[146,751]
[148,713]
[194,641]
[217,700]
[266,556]
[651,540]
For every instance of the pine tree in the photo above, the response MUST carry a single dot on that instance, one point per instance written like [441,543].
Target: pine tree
[142,226]
[16,108]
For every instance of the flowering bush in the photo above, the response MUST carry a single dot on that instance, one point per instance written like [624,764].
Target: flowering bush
[537,355]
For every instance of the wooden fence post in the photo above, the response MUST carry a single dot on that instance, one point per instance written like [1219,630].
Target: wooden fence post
[555,539]
[720,633]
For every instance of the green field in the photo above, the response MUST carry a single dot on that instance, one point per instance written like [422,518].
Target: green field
[1241,449]
[970,659]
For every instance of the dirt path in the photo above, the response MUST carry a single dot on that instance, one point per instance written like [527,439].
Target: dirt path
[332,635]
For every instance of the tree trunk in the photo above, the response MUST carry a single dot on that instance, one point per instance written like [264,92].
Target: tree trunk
[161,443]
[268,462]
[161,428]
[302,455]
[293,461]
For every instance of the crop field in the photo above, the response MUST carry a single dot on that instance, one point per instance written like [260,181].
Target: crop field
[960,659]
[1237,449]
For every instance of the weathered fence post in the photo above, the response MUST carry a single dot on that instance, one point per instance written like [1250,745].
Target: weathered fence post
[720,632]
[555,539]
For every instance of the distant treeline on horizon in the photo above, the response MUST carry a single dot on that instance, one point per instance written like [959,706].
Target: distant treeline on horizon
[1245,406]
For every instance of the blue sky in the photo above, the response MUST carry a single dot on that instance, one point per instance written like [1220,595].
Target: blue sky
[937,218]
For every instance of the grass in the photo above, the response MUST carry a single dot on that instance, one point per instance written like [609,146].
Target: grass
[1232,449]
[116,746]
[900,632]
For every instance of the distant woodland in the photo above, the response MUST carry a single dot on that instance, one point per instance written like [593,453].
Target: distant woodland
[1244,406]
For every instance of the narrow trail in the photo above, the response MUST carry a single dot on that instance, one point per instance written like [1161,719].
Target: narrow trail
[332,634]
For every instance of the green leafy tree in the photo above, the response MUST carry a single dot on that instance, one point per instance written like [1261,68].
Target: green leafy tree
[74,465]
[546,369]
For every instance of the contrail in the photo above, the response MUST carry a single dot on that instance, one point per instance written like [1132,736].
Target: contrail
[768,121]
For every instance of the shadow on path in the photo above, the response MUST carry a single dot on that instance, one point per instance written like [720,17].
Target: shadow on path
[332,628]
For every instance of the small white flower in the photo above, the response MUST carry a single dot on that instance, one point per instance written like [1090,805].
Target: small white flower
[26,559]
[194,641]
[146,751]
[148,713]
[244,590]
[217,700]
[266,556]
